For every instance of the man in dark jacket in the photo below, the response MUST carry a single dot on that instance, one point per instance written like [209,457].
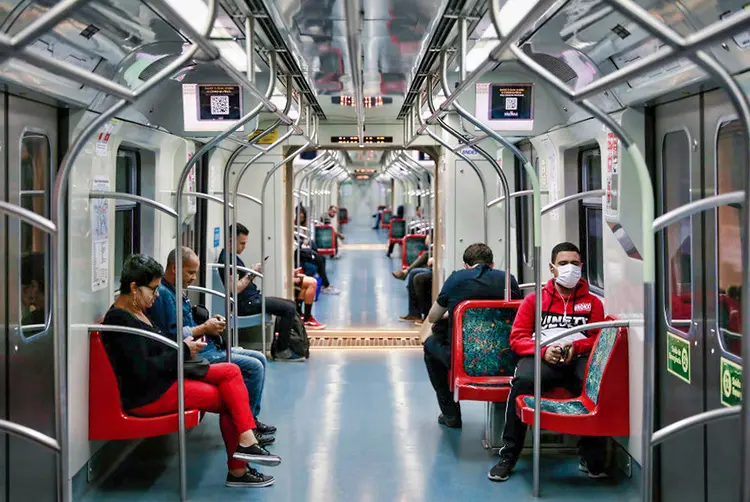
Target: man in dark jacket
[477,281]
[566,302]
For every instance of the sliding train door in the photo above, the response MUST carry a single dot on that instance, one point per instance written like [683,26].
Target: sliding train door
[699,151]
[31,144]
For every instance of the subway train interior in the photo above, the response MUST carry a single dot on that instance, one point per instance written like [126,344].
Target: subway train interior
[396,185]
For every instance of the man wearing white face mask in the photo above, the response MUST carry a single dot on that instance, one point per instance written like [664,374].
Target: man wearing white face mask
[566,302]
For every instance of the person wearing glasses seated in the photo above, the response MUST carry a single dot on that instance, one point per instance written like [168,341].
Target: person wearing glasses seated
[146,373]
[163,312]
[566,302]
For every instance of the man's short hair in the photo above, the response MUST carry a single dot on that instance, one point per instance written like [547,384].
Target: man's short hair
[241,230]
[479,253]
[187,254]
[562,248]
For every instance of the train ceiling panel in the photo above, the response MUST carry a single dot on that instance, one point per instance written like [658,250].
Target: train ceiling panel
[594,40]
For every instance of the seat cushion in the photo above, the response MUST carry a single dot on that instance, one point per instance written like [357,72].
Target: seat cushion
[486,341]
[565,407]
[598,362]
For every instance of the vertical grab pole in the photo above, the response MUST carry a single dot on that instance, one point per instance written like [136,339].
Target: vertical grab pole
[537,255]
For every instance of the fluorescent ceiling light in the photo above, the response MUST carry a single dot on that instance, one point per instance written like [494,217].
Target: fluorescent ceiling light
[195,12]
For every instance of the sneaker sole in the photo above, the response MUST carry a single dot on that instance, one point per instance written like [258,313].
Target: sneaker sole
[299,360]
[236,484]
[266,442]
[315,328]
[258,459]
[498,478]
[591,475]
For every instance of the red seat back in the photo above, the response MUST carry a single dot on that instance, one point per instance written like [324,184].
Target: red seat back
[325,238]
[483,362]
[107,420]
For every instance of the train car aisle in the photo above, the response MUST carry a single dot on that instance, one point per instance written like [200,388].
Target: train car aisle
[353,426]
[370,298]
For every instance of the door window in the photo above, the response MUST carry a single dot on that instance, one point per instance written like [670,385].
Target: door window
[592,240]
[677,237]
[35,259]
[732,162]
[127,213]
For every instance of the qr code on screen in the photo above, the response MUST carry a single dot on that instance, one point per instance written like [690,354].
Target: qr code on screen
[511,103]
[219,105]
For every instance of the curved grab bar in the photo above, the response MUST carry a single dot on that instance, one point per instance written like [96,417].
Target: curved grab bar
[241,269]
[690,422]
[576,196]
[200,289]
[520,193]
[691,208]
[618,323]
[32,435]
[130,331]
[29,217]
[527,285]
[135,198]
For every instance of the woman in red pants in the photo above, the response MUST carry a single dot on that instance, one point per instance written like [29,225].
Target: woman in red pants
[147,375]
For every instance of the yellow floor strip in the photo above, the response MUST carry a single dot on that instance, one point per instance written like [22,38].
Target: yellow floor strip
[363,247]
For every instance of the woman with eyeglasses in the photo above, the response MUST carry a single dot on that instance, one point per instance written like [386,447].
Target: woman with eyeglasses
[147,375]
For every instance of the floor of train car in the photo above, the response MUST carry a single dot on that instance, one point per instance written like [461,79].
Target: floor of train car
[370,299]
[353,425]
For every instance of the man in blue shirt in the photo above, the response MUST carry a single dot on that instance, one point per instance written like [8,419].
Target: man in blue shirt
[249,297]
[164,315]
[477,281]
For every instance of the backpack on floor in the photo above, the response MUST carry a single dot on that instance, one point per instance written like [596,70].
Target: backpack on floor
[298,342]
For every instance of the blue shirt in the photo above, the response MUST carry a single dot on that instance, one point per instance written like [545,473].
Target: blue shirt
[251,294]
[163,312]
[478,283]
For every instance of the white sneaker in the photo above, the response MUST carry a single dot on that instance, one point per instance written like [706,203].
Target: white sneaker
[330,290]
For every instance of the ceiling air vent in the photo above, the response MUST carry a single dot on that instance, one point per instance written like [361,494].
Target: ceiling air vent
[558,68]
[89,32]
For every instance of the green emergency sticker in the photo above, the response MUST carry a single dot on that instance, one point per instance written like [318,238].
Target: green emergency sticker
[678,357]
[731,383]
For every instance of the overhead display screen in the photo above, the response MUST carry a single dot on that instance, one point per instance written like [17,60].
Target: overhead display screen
[354,140]
[211,107]
[510,102]
[506,106]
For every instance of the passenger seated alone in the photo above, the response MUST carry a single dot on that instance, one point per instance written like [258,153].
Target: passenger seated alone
[478,281]
[146,372]
[566,302]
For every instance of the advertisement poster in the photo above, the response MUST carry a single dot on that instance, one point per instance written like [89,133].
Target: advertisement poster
[100,236]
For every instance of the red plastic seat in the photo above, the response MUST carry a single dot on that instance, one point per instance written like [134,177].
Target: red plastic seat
[412,247]
[603,408]
[383,223]
[107,420]
[483,363]
[325,238]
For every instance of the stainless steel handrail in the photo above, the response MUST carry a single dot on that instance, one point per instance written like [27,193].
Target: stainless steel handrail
[692,421]
[130,331]
[697,206]
[135,198]
[618,323]
[520,193]
[241,269]
[30,434]
[570,198]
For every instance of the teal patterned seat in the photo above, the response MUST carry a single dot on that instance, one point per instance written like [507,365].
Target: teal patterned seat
[598,361]
[387,216]
[565,407]
[398,228]
[412,247]
[324,237]
[486,341]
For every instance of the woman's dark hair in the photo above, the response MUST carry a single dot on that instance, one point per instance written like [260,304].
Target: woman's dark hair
[140,269]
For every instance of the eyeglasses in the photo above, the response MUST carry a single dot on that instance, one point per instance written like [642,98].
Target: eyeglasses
[153,290]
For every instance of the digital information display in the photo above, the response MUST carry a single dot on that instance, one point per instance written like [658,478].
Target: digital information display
[368,140]
[211,107]
[507,107]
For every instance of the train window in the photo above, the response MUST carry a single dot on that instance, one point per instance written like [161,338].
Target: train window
[35,259]
[677,237]
[524,207]
[127,213]
[591,238]
[732,162]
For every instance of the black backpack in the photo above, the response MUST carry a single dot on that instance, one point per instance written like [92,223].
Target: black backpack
[298,340]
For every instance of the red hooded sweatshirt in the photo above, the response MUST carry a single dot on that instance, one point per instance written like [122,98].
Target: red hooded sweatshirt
[580,308]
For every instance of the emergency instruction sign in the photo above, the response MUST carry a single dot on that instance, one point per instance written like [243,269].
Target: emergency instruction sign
[678,357]
[731,383]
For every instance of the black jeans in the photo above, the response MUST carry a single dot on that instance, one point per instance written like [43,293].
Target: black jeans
[423,292]
[284,310]
[592,448]
[437,359]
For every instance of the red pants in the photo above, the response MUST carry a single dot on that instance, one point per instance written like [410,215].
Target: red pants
[222,391]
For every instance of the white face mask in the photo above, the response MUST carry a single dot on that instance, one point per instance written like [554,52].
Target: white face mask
[568,275]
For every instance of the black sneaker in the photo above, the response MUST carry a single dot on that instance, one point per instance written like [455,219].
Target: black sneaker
[452,422]
[256,454]
[264,428]
[592,472]
[501,471]
[251,479]
[264,440]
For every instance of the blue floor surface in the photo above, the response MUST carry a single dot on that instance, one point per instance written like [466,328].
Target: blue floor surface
[371,298]
[354,426]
